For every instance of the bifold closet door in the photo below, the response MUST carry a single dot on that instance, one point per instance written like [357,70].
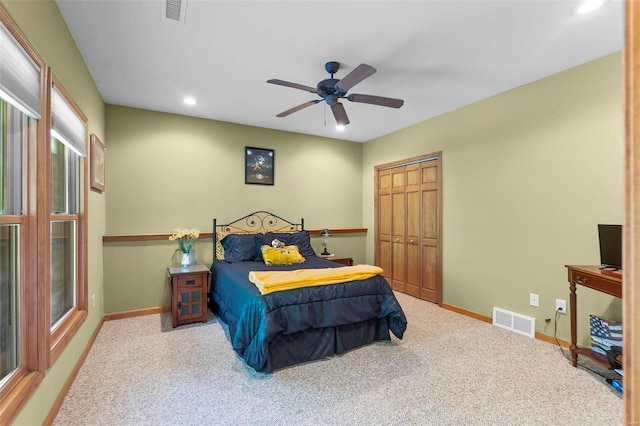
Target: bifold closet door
[398,212]
[431,230]
[383,223]
[412,230]
[408,235]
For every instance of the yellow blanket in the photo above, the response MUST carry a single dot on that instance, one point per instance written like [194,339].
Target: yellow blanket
[270,281]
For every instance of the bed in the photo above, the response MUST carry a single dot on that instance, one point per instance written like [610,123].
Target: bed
[287,327]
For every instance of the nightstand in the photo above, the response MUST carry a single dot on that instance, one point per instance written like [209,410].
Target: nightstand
[346,261]
[188,289]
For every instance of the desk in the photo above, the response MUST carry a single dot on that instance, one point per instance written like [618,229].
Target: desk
[590,277]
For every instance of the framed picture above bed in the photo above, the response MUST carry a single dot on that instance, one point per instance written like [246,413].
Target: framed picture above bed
[259,166]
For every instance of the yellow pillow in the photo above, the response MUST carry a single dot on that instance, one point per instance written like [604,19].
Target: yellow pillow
[287,255]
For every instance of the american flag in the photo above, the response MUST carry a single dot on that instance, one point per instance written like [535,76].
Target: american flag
[604,334]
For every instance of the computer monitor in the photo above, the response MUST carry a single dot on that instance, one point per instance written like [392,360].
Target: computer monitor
[610,246]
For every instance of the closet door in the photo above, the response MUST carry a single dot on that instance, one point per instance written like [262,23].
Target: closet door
[408,209]
[398,241]
[383,223]
[412,225]
[431,234]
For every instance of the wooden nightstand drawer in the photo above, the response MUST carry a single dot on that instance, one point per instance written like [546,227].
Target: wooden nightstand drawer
[190,281]
[347,261]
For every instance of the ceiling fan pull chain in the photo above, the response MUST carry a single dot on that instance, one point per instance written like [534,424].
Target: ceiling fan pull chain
[324,110]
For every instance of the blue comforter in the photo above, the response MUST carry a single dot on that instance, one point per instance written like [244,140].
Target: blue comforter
[255,321]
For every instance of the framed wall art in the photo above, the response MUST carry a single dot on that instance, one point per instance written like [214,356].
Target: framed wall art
[258,166]
[97,164]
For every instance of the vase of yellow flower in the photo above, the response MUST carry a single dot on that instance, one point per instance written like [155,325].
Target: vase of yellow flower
[186,239]
[186,260]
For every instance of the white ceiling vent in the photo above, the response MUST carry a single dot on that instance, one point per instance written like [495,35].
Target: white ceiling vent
[518,323]
[176,9]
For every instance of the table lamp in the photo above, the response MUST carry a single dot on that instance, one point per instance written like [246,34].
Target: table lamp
[325,233]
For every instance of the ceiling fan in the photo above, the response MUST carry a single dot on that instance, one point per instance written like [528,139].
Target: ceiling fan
[331,90]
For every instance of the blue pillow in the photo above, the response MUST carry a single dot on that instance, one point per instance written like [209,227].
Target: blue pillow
[240,248]
[300,239]
[260,240]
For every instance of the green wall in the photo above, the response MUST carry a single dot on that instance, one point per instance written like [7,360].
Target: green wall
[42,24]
[527,176]
[167,171]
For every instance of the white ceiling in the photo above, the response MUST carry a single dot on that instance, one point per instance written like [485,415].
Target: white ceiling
[436,55]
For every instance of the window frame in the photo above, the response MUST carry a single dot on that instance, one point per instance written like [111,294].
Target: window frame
[19,386]
[67,327]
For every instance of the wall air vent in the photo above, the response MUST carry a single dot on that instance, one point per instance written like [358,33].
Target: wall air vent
[518,323]
[174,8]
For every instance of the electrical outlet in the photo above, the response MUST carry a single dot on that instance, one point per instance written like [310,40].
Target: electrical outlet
[561,305]
[534,299]
[93,300]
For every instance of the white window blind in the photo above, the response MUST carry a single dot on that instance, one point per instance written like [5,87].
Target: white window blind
[19,75]
[67,127]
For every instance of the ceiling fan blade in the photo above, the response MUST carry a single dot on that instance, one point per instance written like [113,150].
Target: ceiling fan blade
[340,114]
[376,100]
[298,108]
[293,85]
[361,72]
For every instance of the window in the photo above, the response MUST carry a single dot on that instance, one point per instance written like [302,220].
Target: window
[67,220]
[9,299]
[65,165]
[22,77]
[63,270]
[13,124]
[43,222]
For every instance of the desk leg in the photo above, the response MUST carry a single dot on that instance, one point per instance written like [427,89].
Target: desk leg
[574,330]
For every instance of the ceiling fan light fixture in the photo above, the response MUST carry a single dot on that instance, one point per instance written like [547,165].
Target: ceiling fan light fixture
[341,127]
[589,6]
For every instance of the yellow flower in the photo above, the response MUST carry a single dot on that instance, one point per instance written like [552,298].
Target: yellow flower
[186,238]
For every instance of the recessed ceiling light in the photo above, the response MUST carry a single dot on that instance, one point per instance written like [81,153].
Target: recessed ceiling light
[189,100]
[589,6]
[340,128]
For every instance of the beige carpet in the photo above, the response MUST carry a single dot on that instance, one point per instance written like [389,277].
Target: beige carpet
[448,370]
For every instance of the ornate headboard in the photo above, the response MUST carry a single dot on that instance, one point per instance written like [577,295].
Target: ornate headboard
[259,222]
